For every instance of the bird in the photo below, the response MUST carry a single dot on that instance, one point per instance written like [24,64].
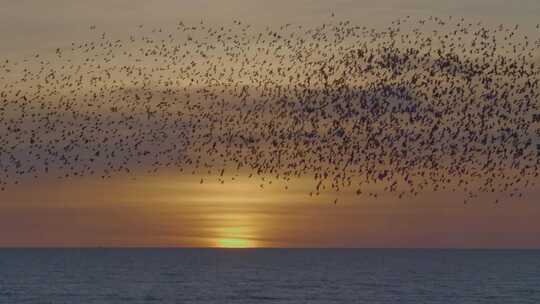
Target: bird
[420,105]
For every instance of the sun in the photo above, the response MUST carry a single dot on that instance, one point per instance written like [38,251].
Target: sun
[233,243]
[234,237]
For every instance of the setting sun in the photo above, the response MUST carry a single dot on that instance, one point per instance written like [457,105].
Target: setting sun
[234,237]
[233,243]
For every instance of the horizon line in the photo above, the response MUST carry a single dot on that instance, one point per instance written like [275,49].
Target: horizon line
[269,248]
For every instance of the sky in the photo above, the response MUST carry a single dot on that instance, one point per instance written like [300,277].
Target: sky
[171,209]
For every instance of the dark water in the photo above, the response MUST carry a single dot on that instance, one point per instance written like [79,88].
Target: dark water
[268,276]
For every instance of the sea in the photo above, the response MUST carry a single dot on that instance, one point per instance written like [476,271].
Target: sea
[268,276]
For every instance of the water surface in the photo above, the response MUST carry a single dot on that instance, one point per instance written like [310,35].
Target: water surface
[268,276]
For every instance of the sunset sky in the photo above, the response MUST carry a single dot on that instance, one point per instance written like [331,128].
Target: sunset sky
[172,209]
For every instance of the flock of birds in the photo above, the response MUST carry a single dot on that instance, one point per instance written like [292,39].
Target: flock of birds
[438,104]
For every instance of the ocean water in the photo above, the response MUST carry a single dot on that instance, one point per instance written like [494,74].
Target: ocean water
[268,276]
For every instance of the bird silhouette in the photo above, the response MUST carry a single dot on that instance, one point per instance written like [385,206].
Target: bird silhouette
[439,104]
